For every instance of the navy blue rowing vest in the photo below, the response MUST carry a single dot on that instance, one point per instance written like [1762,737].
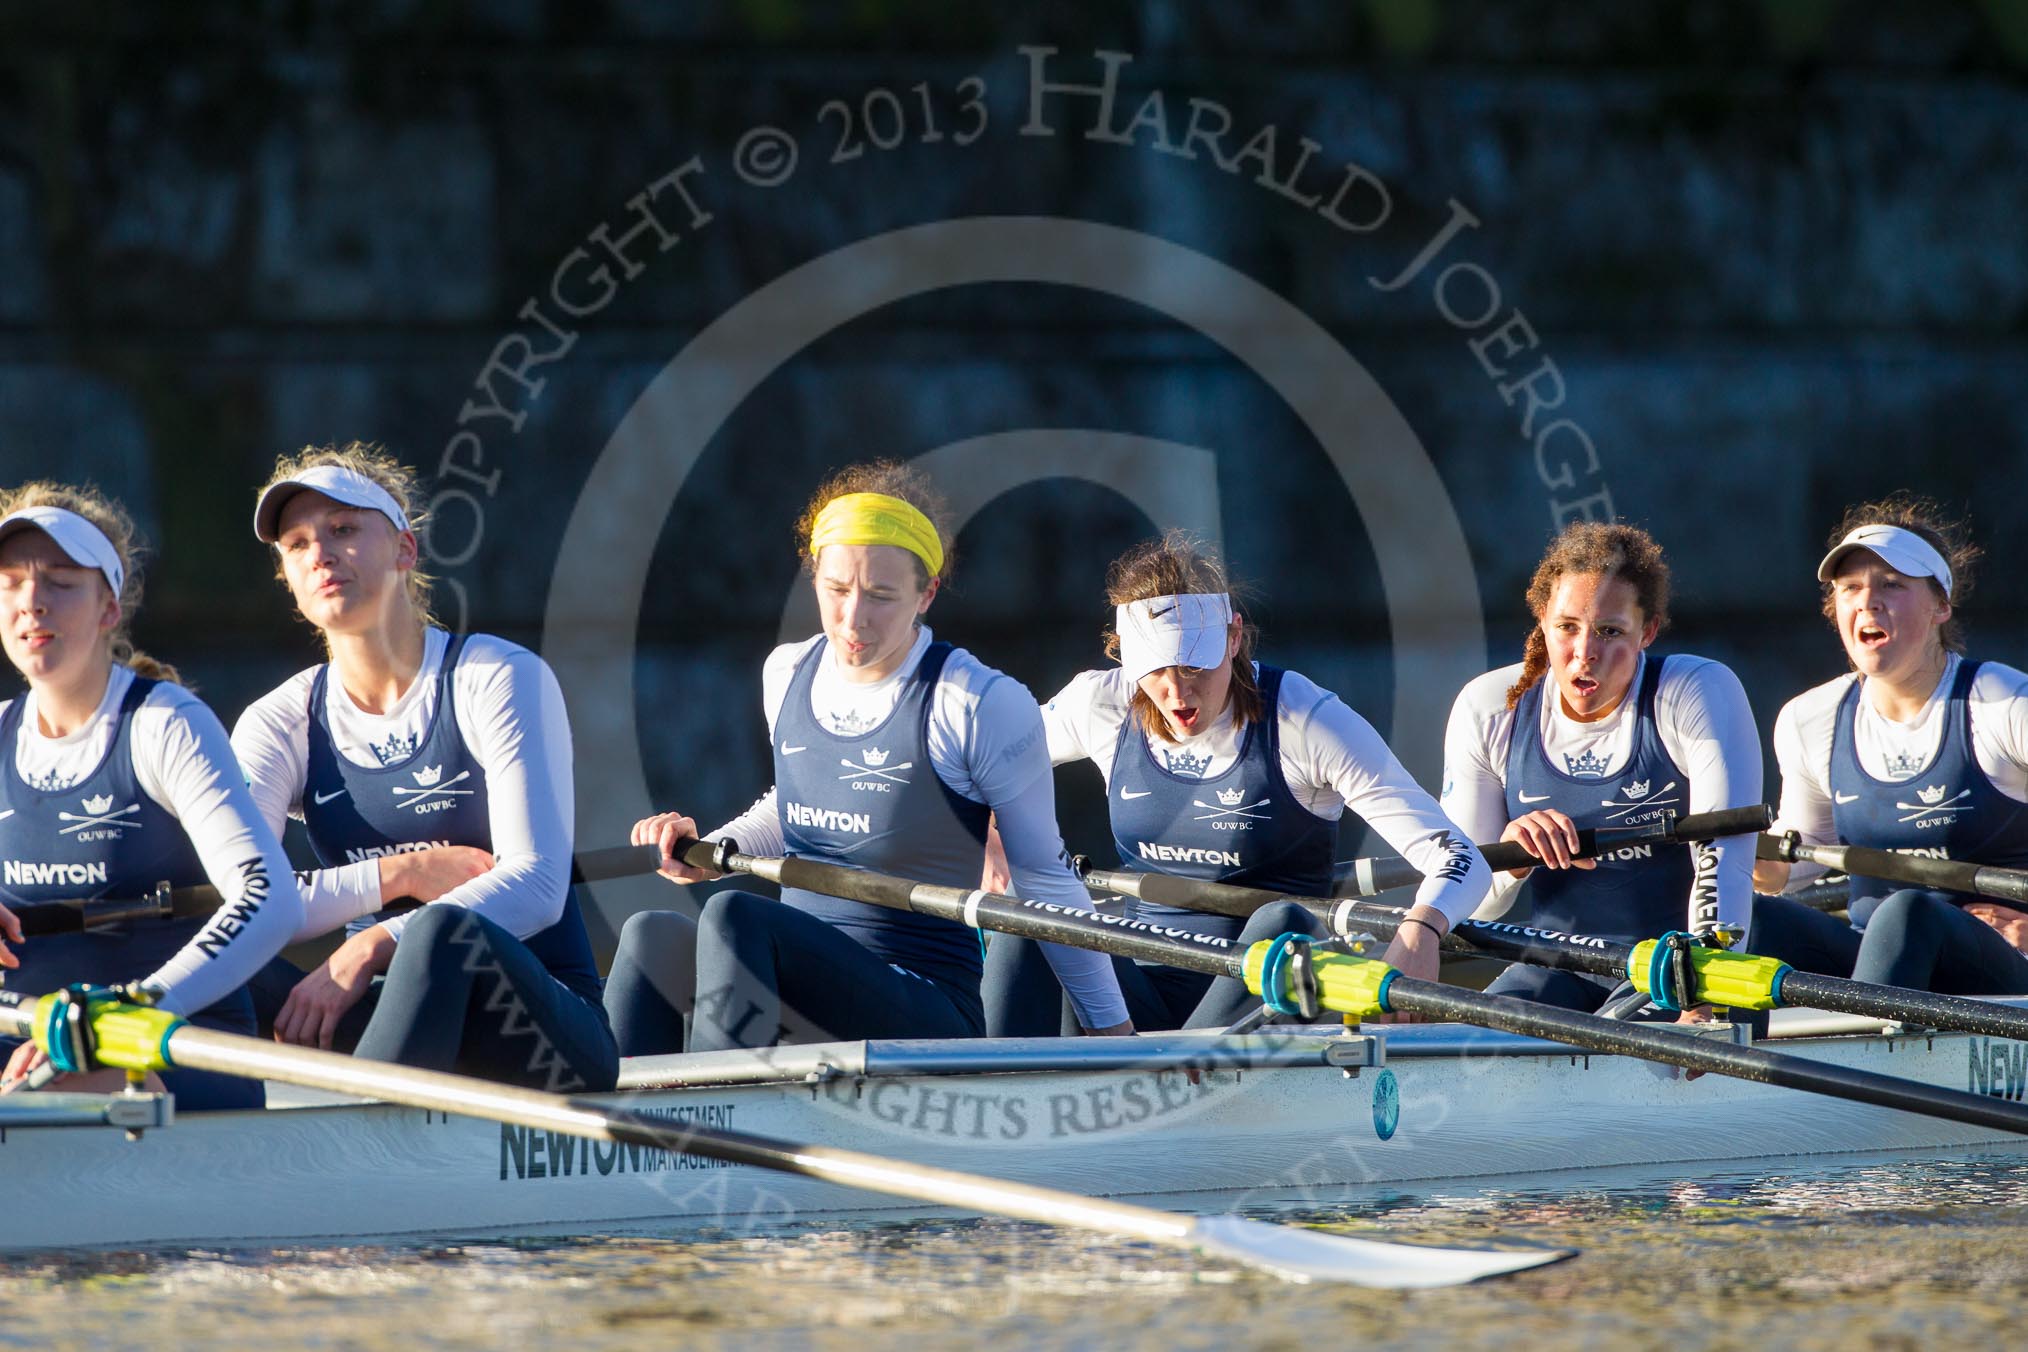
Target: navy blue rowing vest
[1244,827]
[874,801]
[1949,809]
[101,837]
[436,795]
[1625,899]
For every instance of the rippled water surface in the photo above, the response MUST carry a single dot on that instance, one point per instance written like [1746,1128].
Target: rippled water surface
[1893,1253]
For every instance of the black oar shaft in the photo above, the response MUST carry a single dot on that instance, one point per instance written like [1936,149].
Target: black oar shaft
[1044,921]
[1432,1000]
[187,903]
[1951,875]
[1604,957]
[1370,877]
[1114,934]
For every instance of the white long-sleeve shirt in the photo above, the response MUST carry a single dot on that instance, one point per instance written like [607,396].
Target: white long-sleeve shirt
[1705,723]
[511,716]
[985,742]
[183,762]
[1891,751]
[1331,758]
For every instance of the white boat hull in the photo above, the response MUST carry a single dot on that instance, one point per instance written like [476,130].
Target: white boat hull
[1310,1134]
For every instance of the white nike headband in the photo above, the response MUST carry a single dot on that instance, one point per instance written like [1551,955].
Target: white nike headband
[82,543]
[1902,550]
[335,482]
[1173,631]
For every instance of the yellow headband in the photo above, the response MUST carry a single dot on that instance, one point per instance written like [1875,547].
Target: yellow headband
[877,519]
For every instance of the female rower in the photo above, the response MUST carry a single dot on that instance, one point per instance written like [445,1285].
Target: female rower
[116,779]
[1592,731]
[425,766]
[890,751]
[1220,768]
[1917,748]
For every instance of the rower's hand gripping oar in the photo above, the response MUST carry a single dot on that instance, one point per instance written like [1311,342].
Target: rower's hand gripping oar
[1357,987]
[1369,877]
[93,1027]
[1678,970]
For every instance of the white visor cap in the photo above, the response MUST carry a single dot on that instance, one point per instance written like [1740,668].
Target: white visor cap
[1902,550]
[82,542]
[1173,631]
[335,482]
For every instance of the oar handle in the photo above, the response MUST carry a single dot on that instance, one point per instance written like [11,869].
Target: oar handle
[618,861]
[2006,885]
[1699,826]
[70,916]
[1138,939]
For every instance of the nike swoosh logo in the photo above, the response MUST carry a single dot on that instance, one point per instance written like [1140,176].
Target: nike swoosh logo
[5,815]
[788,750]
[1135,793]
[1534,797]
[323,798]
[1158,614]
[1843,797]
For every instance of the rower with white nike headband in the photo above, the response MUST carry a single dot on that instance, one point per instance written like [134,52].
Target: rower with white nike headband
[427,766]
[114,779]
[1916,748]
[1592,730]
[1224,769]
[890,752]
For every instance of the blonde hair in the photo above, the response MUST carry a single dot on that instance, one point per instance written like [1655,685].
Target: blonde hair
[896,480]
[376,463]
[114,523]
[1179,564]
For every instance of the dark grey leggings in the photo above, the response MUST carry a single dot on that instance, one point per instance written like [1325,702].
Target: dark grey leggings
[1924,940]
[763,972]
[464,995]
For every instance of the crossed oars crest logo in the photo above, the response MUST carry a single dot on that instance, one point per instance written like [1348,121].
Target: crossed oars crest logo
[872,765]
[1637,795]
[98,812]
[1231,803]
[428,790]
[1933,806]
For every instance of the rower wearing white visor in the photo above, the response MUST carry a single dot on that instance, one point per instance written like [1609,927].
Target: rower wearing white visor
[1592,730]
[1224,769]
[114,779]
[427,766]
[1917,748]
[890,752]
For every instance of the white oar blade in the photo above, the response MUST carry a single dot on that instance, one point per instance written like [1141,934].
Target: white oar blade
[1312,1256]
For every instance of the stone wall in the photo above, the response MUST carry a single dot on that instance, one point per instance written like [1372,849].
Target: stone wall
[1771,251]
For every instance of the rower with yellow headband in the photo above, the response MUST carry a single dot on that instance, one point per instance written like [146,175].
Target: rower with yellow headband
[891,751]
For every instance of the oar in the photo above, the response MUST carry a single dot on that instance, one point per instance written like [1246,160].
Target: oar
[1370,877]
[1711,975]
[1354,986]
[71,914]
[142,1039]
[1734,980]
[2008,886]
